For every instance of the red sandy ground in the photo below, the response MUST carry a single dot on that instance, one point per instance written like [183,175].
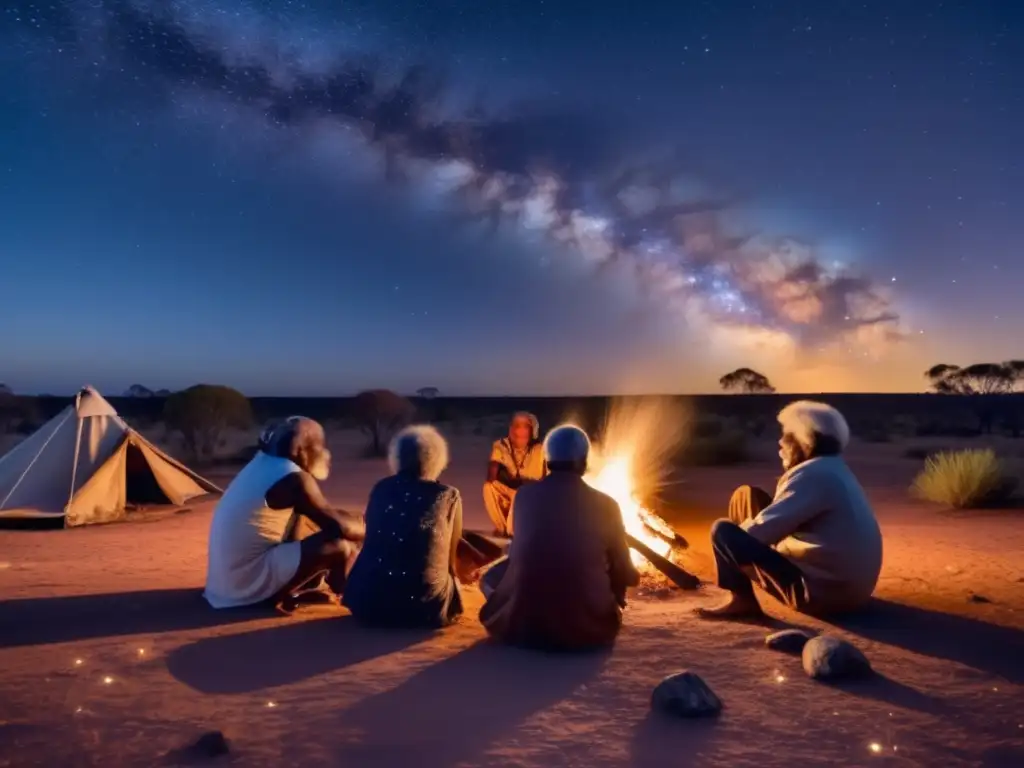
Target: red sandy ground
[315,689]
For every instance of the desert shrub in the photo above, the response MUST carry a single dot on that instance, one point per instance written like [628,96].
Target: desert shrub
[380,413]
[18,415]
[717,451]
[963,479]
[202,413]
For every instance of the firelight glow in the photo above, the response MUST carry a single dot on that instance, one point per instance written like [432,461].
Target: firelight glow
[615,477]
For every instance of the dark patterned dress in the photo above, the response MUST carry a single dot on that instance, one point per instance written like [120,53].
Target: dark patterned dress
[404,576]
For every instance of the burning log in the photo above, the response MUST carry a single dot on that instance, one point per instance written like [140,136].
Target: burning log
[678,576]
[662,530]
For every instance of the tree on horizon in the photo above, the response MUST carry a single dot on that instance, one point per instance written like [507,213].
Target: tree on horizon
[747,381]
[976,379]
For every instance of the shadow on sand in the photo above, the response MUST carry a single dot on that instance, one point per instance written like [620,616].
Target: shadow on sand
[43,620]
[453,710]
[987,647]
[267,657]
[662,740]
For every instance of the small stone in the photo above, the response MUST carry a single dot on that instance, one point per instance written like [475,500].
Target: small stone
[684,694]
[829,658]
[788,641]
[210,745]
[973,598]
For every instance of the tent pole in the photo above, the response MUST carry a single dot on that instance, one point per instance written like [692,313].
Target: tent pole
[74,467]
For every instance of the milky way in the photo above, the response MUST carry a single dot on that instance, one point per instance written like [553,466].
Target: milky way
[533,168]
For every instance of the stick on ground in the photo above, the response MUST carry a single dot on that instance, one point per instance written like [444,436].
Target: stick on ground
[675,574]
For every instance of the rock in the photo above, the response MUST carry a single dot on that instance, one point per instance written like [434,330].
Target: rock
[210,745]
[829,658]
[973,598]
[684,694]
[788,640]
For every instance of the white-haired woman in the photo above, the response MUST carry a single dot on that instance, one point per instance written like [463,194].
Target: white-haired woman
[405,573]
[563,585]
[816,546]
[516,460]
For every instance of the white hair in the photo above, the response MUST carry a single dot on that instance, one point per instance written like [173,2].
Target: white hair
[566,444]
[805,420]
[534,422]
[419,449]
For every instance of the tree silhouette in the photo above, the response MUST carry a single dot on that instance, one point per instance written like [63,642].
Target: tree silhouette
[977,379]
[747,381]
[203,412]
[380,413]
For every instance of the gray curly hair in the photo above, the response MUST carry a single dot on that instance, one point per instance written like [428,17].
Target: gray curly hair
[808,421]
[419,449]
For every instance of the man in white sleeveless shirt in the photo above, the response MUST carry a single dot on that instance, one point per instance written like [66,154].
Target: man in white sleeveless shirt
[255,554]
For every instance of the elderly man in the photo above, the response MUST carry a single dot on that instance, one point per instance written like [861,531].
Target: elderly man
[816,546]
[256,553]
[516,460]
[563,585]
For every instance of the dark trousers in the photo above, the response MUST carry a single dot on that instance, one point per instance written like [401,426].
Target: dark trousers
[742,561]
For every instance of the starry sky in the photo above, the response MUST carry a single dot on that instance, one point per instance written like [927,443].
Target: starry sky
[508,197]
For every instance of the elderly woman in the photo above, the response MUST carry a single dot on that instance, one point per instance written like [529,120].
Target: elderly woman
[255,553]
[816,546]
[516,460]
[563,585]
[405,574]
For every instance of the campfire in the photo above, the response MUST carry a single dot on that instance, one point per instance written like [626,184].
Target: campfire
[634,451]
[614,478]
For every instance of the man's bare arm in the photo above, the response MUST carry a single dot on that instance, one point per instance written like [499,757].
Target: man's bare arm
[300,492]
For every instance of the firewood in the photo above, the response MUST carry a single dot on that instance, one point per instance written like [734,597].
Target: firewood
[672,572]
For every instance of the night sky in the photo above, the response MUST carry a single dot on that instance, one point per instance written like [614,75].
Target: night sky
[508,197]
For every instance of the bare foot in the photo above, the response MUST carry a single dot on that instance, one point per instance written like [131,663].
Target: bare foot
[735,608]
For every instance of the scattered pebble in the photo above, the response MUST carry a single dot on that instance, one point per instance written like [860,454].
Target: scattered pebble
[788,640]
[210,745]
[973,598]
[829,658]
[684,694]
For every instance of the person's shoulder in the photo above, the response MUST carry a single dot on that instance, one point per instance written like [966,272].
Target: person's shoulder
[382,488]
[446,492]
[604,501]
[817,470]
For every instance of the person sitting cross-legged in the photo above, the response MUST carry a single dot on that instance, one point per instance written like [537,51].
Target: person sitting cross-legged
[405,575]
[273,536]
[563,585]
[816,546]
[516,460]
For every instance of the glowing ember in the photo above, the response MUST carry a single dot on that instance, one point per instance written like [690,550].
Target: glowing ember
[614,477]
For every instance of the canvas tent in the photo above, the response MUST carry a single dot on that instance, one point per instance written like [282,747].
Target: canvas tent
[87,466]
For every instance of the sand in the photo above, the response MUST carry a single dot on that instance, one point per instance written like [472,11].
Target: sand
[108,656]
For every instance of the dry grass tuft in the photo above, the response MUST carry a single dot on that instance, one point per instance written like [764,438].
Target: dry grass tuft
[963,479]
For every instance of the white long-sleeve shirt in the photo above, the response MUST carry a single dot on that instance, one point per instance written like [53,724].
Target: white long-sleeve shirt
[822,521]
